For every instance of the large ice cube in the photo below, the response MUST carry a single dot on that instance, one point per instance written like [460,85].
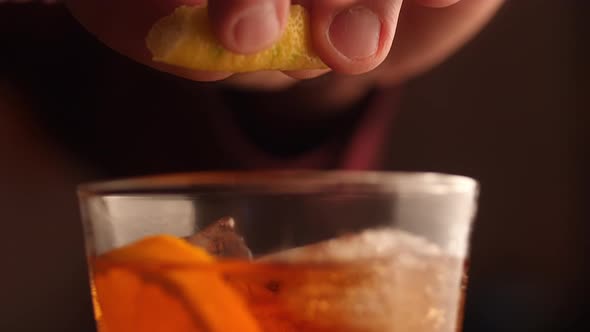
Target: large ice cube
[369,244]
[378,280]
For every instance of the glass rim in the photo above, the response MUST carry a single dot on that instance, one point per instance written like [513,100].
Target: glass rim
[283,181]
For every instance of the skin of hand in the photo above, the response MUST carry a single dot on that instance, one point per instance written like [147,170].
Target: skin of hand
[353,37]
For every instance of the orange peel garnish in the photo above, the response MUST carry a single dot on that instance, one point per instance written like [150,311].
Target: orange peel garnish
[162,284]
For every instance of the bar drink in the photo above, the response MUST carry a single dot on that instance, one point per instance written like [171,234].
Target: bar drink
[287,251]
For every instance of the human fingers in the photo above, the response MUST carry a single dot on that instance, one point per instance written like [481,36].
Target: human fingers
[248,26]
[353,36]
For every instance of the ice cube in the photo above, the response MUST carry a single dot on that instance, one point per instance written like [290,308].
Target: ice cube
[369,244]
[222,239]
[373,281]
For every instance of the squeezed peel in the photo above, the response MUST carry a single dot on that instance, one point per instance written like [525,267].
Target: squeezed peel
[185,39]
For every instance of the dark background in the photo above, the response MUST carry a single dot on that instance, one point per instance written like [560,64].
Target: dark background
[509,109]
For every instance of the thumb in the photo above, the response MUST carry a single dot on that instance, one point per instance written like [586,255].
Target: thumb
[354,36]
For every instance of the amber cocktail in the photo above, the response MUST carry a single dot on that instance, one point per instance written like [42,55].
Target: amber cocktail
[279,251]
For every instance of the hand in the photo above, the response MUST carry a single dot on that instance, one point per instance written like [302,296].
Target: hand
[351,36]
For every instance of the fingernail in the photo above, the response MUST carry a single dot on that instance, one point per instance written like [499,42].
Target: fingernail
[256,28]
[355,32]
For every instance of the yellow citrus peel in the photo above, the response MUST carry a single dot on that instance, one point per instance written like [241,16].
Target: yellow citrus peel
[185,39]
[159,285]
